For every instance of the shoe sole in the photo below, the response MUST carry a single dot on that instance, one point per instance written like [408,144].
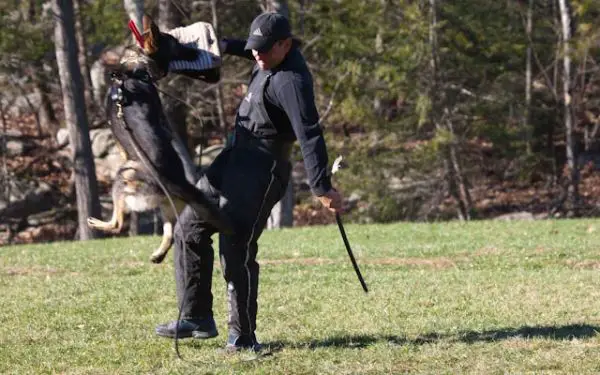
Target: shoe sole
[202,335]
[194,334]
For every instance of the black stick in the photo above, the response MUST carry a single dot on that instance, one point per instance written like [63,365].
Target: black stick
[350,254]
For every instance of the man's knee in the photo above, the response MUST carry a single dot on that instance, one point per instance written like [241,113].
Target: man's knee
[238,269]
[190,229]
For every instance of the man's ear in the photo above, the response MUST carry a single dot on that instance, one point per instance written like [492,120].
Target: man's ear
[287,43]
[151,35]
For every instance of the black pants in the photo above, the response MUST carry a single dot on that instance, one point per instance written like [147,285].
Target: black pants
[247,182]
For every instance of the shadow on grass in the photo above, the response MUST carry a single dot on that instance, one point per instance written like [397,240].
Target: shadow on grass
[568,332]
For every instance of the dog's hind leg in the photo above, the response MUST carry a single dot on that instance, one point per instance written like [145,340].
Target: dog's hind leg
[115,225]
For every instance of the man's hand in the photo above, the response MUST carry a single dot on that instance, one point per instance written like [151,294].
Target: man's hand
[332,200]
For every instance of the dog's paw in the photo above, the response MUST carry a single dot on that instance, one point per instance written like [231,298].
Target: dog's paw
[104,226]
[92,222]
[157,258]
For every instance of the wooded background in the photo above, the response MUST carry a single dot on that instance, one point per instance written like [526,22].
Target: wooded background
[441,109]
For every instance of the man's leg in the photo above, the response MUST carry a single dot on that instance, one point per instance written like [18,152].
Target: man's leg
[193,257]
[249,204]
[241,273]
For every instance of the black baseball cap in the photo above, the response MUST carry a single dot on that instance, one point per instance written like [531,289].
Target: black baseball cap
[266,29]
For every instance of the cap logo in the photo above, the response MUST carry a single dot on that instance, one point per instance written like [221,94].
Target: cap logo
[257,32]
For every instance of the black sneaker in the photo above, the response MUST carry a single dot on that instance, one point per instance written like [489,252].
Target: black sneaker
[196,328]
[237,344]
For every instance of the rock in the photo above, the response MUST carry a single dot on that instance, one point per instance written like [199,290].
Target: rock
[62,137]
[16,147]
[22,105]
[13,133]
[27,199]
[102,142]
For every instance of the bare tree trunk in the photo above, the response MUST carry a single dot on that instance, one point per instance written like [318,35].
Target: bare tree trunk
[4,178]
[45,115]
[589,132]
[282,214]
[135,12]
[573,170]
[169,17]
[218,88]
[463,195]
[301,19]
[45,112]
[528,80]
[379,106]
[280,7]
[82,49]
[75,116]
[456,180]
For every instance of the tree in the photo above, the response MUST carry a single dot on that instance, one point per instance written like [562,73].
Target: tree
[282,214]
[443,120]
[528,76]
[572,169]
[84,172]
[82,51]
[25,49]
[135,11]
[218,87]
[176,110]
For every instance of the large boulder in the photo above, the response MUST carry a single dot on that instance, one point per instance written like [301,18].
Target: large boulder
[21,105]
[16,147]
[13,143]
[26,198]
[107,157]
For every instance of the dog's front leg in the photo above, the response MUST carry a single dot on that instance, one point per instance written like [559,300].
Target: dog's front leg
[169,218]
[116,222]
[165,244]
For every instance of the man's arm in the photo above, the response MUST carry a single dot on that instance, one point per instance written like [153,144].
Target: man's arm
[235,47]
[296,98]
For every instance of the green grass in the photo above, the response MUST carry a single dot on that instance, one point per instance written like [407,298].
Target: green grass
[483,297]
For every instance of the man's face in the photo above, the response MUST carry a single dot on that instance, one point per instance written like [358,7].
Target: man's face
[273,57]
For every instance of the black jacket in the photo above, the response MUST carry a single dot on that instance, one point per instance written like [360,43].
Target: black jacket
[290,105]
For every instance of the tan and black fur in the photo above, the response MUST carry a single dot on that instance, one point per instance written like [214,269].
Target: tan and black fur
[134,191]
[156,158]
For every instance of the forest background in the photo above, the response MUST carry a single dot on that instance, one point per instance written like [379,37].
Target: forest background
[442,109]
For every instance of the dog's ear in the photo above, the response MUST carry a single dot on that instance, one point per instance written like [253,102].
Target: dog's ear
[151,35]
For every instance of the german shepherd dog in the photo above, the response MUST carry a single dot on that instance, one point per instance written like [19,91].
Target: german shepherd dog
[158,171]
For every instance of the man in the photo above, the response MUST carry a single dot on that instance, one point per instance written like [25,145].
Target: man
[247,179]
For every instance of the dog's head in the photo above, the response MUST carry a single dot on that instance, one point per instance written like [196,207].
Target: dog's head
[162,47]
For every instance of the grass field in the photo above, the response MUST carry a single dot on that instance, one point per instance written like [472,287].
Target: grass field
[483,297]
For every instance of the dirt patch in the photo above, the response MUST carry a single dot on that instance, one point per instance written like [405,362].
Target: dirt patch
[585,264]
[31,271]
[484,251]
[437,263]
[302,261]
